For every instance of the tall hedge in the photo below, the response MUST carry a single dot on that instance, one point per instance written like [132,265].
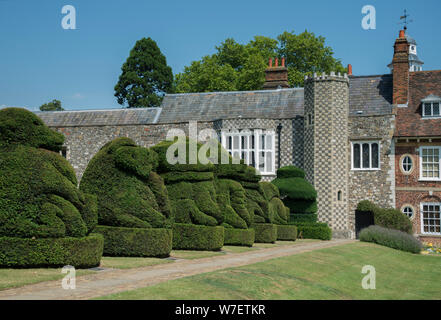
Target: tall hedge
[386,217]
[130,195]
[39,198]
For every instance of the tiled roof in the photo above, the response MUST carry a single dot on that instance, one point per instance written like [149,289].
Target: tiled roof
[409,120]
[273,104]
[100,117]
[370,95]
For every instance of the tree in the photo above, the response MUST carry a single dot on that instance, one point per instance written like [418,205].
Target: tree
[54,105]
[239,67]
[145,76]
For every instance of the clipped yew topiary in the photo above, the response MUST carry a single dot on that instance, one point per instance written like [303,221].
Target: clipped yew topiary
[231,199]
[44,219]
[192,193]
[134,213]
[300,197]
[278,212]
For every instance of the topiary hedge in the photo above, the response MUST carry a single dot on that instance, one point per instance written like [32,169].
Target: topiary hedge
[315,230]
[286,232]
[387,217]
[278,213]
[197,237]
[391,238]
[296,188]
[136,242]
[82,252]
[302,217]
[290,172]
[239,237]
[265,232]
[39,198]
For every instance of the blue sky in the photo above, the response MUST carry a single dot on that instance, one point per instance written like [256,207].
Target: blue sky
[40,61]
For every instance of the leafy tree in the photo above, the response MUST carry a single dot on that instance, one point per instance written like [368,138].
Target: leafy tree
[145,76]
[54,105]
[237,66]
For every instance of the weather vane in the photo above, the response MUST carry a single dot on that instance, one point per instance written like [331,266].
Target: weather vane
[405,19]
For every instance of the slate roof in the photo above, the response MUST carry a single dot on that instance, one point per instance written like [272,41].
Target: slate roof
[100,117]
[263,104]
[370,95]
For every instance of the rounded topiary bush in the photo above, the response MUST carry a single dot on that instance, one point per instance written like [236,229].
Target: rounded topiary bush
[42,210]
[290,172]
[133,201]
[192,193]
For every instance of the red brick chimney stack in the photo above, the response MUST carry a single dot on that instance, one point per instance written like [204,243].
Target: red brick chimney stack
[349,69]
[400,71]
[276,76]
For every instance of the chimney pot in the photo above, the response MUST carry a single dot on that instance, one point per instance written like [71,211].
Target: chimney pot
[283,61]
[270,63]
[277,62]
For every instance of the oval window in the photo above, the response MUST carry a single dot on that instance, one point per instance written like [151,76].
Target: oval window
[408,211]
[407,164]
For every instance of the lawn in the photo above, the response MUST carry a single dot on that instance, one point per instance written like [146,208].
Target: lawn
[332,273]
[10,278]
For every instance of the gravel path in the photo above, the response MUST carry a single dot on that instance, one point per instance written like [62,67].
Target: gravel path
[114,280]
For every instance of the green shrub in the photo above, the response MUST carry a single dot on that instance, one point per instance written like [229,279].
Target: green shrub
[290,172]
[122,177]
[391,238]
[265,232]
[387,217]
[295,188]
[301,206]
[40,204]
[83,252]
[302,217]
[191,188]
[197,237]
[286,232]
[239,237]
[136,242]
[314,231]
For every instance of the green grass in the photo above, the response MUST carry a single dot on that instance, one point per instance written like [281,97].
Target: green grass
[12,278]
[130,262]
[332,273]
[190,254]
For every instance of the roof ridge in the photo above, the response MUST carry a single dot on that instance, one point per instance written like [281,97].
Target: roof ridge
[232,92]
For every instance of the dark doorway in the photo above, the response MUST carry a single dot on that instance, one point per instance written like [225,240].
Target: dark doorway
[363,219]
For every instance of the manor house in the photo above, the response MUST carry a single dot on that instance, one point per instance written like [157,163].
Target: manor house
[375,137]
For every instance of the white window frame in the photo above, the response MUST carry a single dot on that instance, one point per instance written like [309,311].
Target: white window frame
[412,164]
[422,217]
[361,155]
[410,207]
[431,116]
[421,163]
[257,134]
